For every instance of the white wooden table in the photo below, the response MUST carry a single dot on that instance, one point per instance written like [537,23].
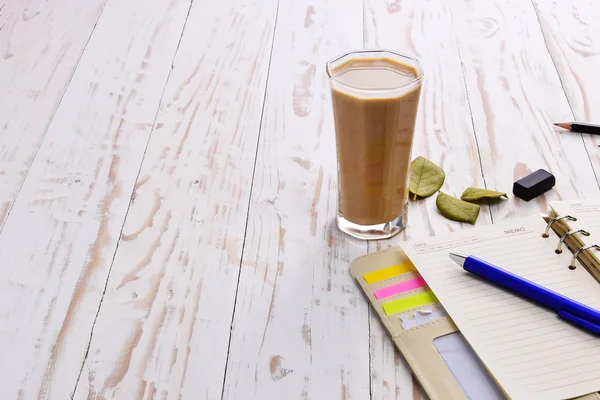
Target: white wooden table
[168,182]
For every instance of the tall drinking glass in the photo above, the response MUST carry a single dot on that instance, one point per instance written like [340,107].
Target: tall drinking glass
[375,95]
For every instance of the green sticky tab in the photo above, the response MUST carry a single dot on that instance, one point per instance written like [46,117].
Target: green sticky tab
[406,303]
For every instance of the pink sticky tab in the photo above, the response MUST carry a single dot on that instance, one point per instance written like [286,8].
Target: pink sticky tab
[399,288]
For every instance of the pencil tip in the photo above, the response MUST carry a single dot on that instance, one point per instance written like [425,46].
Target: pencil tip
[565,125]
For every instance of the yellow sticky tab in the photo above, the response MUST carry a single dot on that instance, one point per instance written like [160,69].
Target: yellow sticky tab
[386,273]
[396,306]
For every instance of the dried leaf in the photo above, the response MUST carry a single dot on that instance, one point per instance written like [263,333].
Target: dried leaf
[426,178]
[475,194]
[456,209]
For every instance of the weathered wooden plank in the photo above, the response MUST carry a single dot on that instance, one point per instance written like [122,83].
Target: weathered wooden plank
[40,45]
[516,96]
[58,242]
[300,328]
[572,35]
[444,134]
[165,321]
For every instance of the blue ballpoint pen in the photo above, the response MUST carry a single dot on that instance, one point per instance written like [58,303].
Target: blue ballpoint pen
[570,310]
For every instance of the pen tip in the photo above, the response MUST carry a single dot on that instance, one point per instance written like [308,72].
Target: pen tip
[458,258]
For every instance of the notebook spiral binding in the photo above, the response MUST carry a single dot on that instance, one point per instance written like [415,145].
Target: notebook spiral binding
[576,254]
[556,219]
[566,235]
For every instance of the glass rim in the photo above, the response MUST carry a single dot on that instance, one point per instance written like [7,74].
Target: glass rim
[418,67]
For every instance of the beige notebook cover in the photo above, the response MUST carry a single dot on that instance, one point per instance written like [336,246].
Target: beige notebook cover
[430,341]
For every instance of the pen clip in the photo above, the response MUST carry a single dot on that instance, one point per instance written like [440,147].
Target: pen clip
[583,323]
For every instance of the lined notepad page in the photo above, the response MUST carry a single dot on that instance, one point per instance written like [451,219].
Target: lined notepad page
[529,350]
[587,213]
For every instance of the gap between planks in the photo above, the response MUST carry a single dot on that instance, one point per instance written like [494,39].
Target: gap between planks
[129,205]
[369,319]
[470,108]
[260,124]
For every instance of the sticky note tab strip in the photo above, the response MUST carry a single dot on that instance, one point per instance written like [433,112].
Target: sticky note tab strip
[400,288]
[406,303]
[386,273]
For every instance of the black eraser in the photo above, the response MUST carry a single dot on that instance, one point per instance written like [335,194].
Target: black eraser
[534,184]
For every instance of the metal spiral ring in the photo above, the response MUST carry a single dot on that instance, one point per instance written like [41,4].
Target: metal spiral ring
[553,220]
[566,235]
[576,254]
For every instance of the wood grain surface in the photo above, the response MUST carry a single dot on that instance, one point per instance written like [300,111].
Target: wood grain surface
[572,36]
[516,95]
[168,182]
[58,243]
[40,45]
[164,324]
[300,327]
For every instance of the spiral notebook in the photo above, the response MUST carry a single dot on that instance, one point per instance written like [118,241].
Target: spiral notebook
[506,346]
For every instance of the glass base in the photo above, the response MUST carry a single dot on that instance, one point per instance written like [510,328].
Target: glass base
[372,232]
